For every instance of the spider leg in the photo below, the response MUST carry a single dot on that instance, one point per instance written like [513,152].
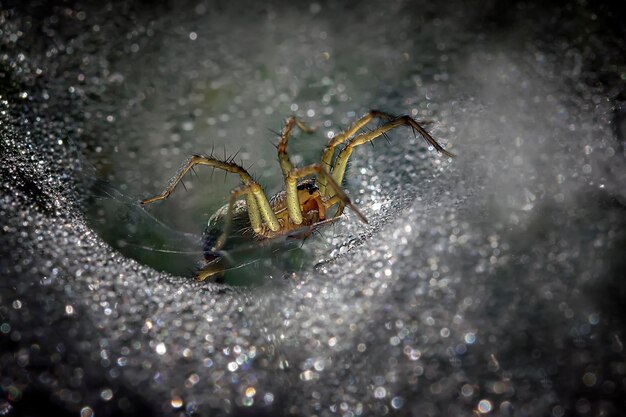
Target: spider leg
[215,267]
[256,205]
[340,138]
[291,187]
[341,162]
[306,231]
[254,190]
[331,202]
[285,163]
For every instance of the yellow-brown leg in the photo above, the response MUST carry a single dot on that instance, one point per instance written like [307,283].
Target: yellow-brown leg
[213,268]
[291,187]
[331,202]
[341,162]
[285,163]
[253,190]
[258,205]
[340,138]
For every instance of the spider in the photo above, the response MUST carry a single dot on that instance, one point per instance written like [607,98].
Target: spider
[304,205]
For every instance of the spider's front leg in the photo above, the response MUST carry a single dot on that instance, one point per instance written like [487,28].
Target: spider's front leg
[264,209]
[291,187]
[341,137]
[283,157]
[341,162]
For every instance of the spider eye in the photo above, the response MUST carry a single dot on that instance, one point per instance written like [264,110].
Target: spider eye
[308,185]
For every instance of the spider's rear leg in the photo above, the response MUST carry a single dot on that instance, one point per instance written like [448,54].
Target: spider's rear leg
[291,187]
[283,157]
[342,159]
[214,268]
[257,205]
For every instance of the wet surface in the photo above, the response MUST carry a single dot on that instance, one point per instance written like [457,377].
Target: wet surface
[488,284]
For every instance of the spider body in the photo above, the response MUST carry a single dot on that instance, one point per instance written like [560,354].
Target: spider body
[305,203]
[313,214]
[311,205]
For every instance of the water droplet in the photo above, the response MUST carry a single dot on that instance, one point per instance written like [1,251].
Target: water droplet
[484,406]
[177,402]
[86,412]
[161,349]
[106,394]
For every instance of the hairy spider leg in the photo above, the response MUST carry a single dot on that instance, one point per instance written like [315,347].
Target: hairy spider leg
[285,163]
[291,187]
[341,162]
[258,205]
[255,190]
[338,139]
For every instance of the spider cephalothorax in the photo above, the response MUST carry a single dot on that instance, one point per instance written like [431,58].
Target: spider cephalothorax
[304,204]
